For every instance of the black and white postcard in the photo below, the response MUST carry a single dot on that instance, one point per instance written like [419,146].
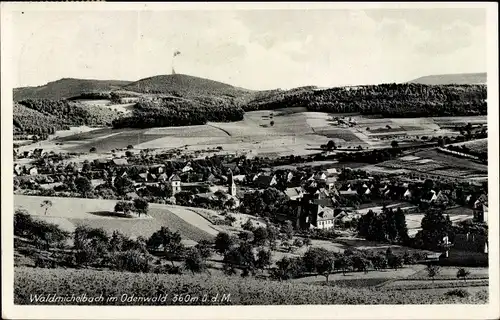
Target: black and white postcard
[250,160]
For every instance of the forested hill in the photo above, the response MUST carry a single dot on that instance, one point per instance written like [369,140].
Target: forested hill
[67,88]
[186,86]
[392,100]
[457,78]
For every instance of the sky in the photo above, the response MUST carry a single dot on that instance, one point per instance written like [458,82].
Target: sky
[254,49]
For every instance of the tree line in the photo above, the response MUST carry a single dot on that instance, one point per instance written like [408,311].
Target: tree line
[391,100]
[163,112]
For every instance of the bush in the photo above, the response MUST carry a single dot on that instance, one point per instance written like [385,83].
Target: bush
[130,260]
[461,293]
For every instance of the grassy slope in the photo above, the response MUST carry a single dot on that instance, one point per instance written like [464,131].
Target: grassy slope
[66,88]
[459,78]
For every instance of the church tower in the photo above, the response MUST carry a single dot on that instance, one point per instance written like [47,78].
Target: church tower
[231,184]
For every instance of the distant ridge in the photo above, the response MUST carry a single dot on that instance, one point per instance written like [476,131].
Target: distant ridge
[458,78]
[67,88]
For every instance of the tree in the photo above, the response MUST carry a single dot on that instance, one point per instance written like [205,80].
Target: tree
[46,204]
[170,242]
[287,268]
[83,185]
[463,273]
[124,206]
[298,243]
[260,236]
[432,270]
[288,230]
[241,257]
[130,146]
[123,185]
[435,227]
[344,263]
[360,263]
[248,226]
[93,149]
[331,145]
[194,261]
[272,123]
[129,154]
[395,261]
[307,241]
[204,248]
[223,242]
[326,266]
[394,144]
[263,259]
[141,206]
[245,235]
[379,262]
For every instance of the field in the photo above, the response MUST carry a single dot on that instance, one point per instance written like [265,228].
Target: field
[432,162]
[92,283]
[70,212]
[479,145]
[293,131]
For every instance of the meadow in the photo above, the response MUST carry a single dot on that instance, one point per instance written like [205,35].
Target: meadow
[65,282]
[71,212]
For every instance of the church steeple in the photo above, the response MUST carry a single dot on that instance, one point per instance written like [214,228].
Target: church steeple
[231,184]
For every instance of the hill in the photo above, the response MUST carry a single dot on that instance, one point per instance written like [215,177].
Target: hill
[67,88]
[30,121]
[458,78]
[241,291]
[184,85]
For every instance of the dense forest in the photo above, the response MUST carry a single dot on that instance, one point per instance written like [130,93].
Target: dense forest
[162,112]
[29,121]
[391,100]
[46,116]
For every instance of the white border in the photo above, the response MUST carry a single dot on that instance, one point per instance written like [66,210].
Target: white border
[489,311]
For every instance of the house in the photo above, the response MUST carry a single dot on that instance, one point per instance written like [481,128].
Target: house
[239,177]
[157,169]
[481,214]
[18,169]
[101,163]
[325,218]
[211,178]
[162,177]
[142,177]
[407,195]
[332,172]
[330,182]
[429,197]
[119,162]
[294,193]
[288,176]
[187,168]
[264,181]
[482,199]
[33,171]
[320,176]
[175,182]
[37,152]
[230,166]
[132,195]
[311,214]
